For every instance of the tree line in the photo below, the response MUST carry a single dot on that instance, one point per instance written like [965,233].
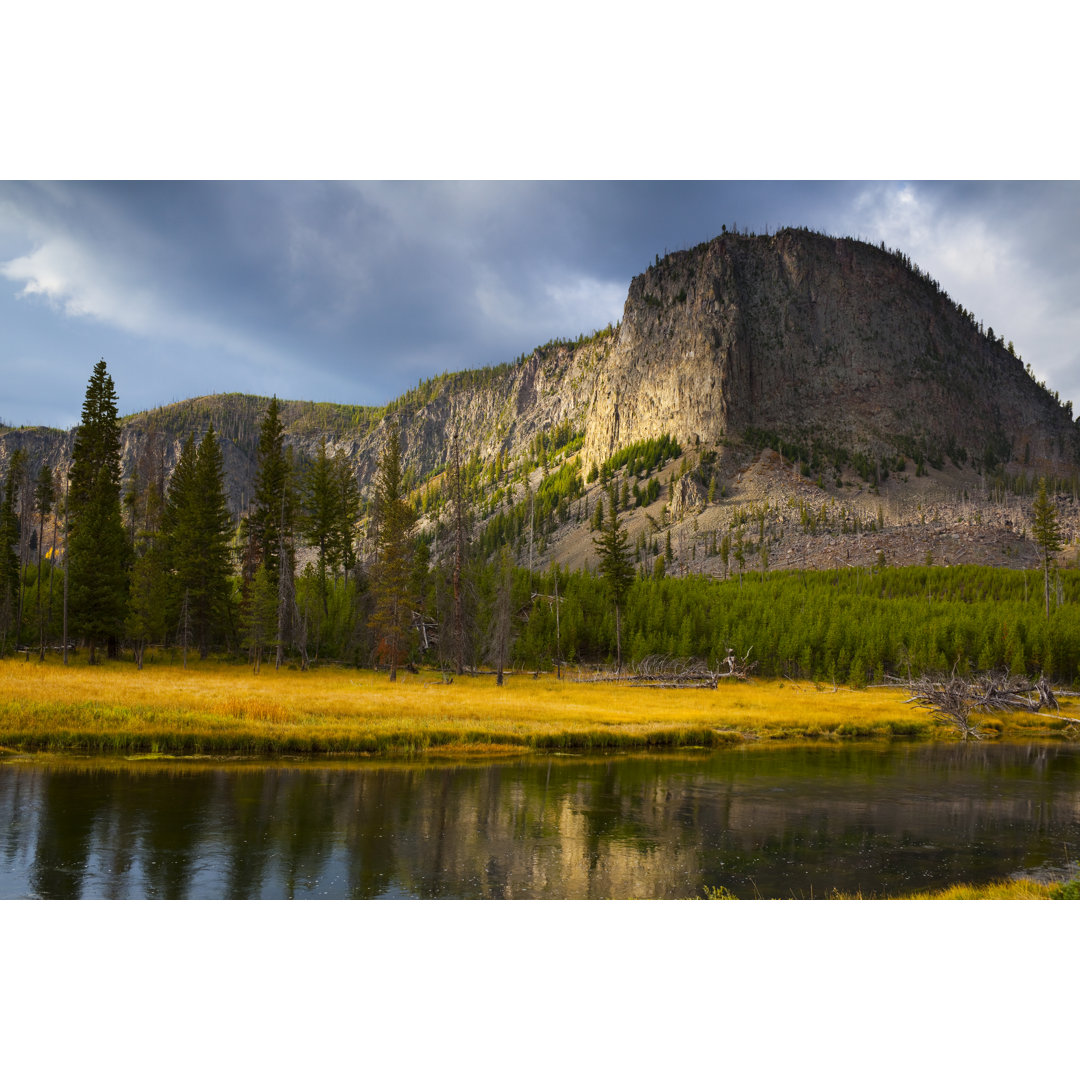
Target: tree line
[157,561]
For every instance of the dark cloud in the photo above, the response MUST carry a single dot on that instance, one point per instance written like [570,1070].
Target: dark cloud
[352,292]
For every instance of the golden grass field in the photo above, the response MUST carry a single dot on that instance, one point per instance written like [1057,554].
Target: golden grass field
[218,707]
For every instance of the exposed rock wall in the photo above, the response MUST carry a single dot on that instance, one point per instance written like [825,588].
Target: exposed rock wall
[816,338]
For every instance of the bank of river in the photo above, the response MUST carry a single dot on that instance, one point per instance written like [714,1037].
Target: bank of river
[808,821]
[222,708]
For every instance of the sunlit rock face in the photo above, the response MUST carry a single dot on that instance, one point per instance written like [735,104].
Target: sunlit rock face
[809,337]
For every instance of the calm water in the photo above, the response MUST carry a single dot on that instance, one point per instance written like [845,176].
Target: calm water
[770,822]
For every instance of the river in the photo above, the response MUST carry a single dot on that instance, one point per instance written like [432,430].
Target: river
[761,821]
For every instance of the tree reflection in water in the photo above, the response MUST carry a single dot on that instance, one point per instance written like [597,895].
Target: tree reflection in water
[760,821]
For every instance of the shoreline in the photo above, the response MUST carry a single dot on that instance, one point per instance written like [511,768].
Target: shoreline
[219,708]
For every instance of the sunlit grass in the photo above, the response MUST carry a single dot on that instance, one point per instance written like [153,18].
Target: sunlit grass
[221,707]
[1019,889]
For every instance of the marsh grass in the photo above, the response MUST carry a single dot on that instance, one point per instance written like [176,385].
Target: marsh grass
[215,707]
[1019,889]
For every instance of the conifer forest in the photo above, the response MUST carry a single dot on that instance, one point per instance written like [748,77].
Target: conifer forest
[448,572]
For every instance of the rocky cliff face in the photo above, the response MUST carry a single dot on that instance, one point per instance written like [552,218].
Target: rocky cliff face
[814,338]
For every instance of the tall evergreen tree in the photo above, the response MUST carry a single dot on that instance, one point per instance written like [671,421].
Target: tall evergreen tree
[321,516]
[501,629]
[1047,534]
[393,523]
[270,517]
[150,578]
[271,520]
[99,554]
[616,565]
[259,615]
[198,532]
[348,507]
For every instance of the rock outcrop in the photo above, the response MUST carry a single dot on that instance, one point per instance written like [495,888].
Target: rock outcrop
[817,339]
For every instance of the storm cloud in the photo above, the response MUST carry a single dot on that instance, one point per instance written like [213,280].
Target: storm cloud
[352,292]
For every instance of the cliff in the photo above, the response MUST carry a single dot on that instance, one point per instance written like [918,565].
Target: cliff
[821,340]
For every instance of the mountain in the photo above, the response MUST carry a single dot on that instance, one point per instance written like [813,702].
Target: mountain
[796,372]
[818,339]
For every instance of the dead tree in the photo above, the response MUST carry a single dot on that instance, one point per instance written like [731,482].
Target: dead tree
[737,668]
[681,672]
[954,700]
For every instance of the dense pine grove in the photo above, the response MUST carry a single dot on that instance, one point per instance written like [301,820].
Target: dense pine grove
[160,563]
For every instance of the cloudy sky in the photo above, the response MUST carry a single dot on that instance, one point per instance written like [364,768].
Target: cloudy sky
[352,292]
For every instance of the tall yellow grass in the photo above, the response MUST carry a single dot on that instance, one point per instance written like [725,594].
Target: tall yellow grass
[220,707]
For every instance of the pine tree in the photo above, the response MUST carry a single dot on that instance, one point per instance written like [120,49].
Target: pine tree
[150,578]
[176,526]
[198,531]
[348,508]
[259,615]
[1046,533]
[615,566]
[394,521]
[271,521]
[270,517]
[209,580]
[321,516]
[99,553]
[501,630]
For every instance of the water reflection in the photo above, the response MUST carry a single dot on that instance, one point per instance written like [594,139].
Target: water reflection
[768,822]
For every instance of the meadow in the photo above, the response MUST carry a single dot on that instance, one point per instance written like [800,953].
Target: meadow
[220,707]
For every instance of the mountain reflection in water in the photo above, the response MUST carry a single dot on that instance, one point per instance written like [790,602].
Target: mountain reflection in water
[770,822]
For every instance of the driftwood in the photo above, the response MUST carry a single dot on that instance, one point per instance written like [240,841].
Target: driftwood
[682,673]
[954,700]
